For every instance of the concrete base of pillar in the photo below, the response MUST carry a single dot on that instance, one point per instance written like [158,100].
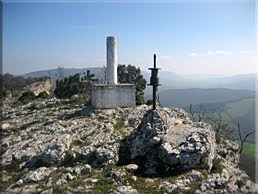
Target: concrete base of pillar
[113,95]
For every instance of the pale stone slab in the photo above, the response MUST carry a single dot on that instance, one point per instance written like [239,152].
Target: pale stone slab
[113,96]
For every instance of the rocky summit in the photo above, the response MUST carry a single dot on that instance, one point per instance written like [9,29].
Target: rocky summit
[167,140]
[63,146]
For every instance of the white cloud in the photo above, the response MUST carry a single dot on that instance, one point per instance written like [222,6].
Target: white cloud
[192,54]
[221,52]
[246,52]
[212,53]
[165,57]
[214,63]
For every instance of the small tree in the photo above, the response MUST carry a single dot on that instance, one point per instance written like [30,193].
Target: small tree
[72,85]
[131,74]
[214,119]
[27,96]
[42,95]
[88,77]
[242,138]
[149,102]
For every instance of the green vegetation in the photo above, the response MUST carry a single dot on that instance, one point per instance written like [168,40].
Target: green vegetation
[72,85]
[58,189]
[241,111]
[27,96]
[239,108]
[149,102]
[217,166]
[213,97]
[131,122]
[104,183]
[240,183]
[119,125]
[250,149]
[132,75]
[42,95]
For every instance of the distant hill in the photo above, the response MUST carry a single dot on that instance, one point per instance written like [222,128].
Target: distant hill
[235,105]
[67,72]
[185,97]
[169,80]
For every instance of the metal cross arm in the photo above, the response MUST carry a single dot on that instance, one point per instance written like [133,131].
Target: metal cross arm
[154,82]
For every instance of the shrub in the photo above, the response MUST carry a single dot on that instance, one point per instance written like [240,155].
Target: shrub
[43,95]
[240,183]
[217,166]
[124,154]
[149,102]
[72,85]
[27,96]
[132,75]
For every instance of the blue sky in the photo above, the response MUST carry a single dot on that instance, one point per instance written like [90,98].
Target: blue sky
[189,38]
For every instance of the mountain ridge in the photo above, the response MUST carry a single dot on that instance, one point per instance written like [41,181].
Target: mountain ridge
[169,80]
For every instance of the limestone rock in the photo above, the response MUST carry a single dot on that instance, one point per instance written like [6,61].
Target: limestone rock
[91,180]
[161,142]
[77,140]
[55,151]
[167,187]
[77,170]
[117,174]
[124,190]
[181,183]
[229,150]
[5,126]
[38,175]
[86,169]
[68,177]
[38,87]
[107,154]
[61,181]
[131,167]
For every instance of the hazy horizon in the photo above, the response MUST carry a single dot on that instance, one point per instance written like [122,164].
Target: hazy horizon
[189,38]
[147,71]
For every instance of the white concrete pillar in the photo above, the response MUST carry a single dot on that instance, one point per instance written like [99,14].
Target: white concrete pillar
[111,60]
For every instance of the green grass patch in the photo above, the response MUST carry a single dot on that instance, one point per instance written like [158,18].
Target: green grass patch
[104,184]
[119,125]
[217,166]
[239,108]
[143,187]
[59,189]
[77,142]
[250,149]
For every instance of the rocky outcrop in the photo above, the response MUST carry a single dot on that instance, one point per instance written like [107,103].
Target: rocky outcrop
[55,151]
[107,154]
[167,140]
[38,87]
[124,190]
[182,182]
[52,145]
